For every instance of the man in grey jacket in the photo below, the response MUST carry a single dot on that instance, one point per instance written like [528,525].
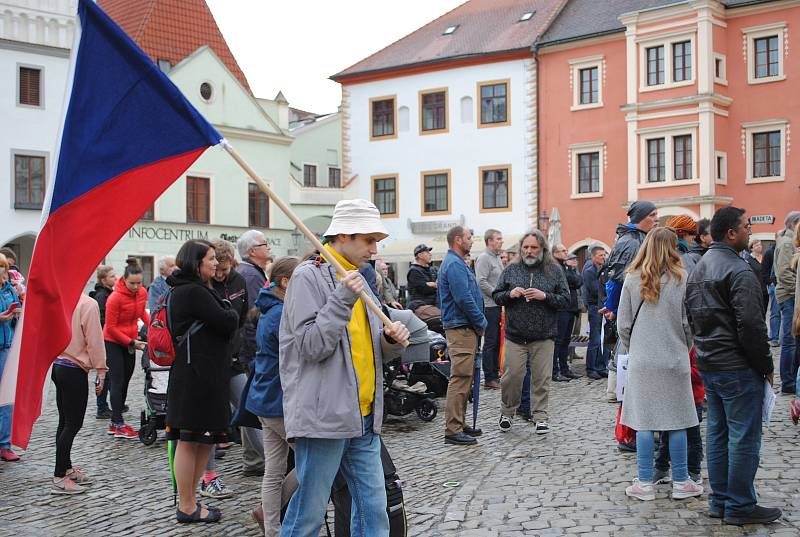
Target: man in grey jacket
[332,348]
[488,267]
[784,294]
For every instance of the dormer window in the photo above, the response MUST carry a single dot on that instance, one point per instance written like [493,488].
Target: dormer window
[450,30]
[526,16]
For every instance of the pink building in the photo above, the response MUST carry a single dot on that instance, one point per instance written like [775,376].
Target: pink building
[687,104]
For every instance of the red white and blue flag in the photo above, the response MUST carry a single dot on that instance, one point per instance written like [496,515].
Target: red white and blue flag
[127,134]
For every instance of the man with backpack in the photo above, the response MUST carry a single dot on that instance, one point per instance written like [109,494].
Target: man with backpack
[332,349]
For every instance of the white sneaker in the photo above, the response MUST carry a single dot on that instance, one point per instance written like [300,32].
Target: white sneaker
[542,427]
[65,486]
[685,489]
[505,424]
[642,490]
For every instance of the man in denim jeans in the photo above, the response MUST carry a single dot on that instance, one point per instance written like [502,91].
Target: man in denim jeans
[332,347]
[735,361]
[786,277]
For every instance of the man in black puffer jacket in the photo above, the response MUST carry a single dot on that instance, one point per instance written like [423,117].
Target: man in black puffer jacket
[532,289]
[723,306]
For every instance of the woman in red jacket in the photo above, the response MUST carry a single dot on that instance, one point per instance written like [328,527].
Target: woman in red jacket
[124,308]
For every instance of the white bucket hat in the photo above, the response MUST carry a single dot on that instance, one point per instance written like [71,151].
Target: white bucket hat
[356,216]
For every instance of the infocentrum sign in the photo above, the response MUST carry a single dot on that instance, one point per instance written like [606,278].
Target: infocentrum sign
[183,234]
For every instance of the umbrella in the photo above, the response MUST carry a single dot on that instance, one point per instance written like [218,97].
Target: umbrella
[476,388]
[554,231]
[171,445]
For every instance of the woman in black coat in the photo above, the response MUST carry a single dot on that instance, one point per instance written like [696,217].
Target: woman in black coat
[198,412]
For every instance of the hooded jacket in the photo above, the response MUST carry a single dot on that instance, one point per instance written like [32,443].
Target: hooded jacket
[123,311]
[265,398]
[319,381]
[101,294]
[234,290]
[629,240]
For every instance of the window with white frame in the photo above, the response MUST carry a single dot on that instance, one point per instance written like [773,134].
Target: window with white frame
[587,163]
[587,82]
[765,151]
[765,51]
[667,61]
[668,155]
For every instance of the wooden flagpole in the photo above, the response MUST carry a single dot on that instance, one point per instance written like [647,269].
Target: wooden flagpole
[315,242]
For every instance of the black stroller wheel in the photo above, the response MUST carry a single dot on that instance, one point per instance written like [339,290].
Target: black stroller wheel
[148,435]
[427,410]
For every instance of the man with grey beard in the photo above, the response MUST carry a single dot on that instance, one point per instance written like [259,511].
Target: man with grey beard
[532,289]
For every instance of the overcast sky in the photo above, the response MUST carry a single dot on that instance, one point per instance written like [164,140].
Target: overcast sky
[295,45]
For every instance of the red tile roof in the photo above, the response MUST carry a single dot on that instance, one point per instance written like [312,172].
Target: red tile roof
[172,29]
[485,27]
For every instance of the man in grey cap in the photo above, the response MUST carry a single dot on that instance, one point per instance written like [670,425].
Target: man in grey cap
[643,216]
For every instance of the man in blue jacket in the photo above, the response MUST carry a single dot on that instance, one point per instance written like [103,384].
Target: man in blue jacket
[464,324]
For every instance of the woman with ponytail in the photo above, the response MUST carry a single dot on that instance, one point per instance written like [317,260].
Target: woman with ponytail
[658,393]
[124,308]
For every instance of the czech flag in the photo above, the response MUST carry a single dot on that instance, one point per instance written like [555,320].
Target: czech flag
[127,134]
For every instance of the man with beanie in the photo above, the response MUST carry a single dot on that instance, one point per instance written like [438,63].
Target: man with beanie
[643,217]
[332,349]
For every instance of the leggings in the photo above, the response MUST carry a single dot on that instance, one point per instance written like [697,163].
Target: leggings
[72,391]
[120,365]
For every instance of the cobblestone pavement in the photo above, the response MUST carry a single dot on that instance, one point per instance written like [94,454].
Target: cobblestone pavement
[570,482]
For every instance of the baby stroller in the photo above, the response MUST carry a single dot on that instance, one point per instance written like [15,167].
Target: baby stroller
[435,373]
[154,416]
[400,397]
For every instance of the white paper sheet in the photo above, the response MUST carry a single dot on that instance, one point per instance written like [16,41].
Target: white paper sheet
[769,402]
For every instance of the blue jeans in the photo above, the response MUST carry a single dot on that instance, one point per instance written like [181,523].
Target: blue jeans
[788,367]
[645,443]
[733,440]
[525,401]
[5,411]
[595,358]
[774,315]
[317,461]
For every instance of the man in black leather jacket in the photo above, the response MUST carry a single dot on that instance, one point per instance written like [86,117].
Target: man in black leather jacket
[723,305]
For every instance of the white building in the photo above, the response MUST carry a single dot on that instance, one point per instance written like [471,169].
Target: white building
[440,127]
[35,38]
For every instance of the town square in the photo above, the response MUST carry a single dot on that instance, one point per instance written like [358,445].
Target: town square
[444,268]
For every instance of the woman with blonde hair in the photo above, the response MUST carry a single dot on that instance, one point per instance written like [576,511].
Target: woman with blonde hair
[658,394]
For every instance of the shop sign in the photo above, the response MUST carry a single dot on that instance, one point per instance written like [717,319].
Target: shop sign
[762,219]
[435,226]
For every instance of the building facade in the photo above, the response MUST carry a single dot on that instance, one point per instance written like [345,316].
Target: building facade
[685,104]
[440,128]
[35,38]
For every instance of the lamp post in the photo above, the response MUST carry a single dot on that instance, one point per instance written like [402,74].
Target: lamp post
[544,222]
